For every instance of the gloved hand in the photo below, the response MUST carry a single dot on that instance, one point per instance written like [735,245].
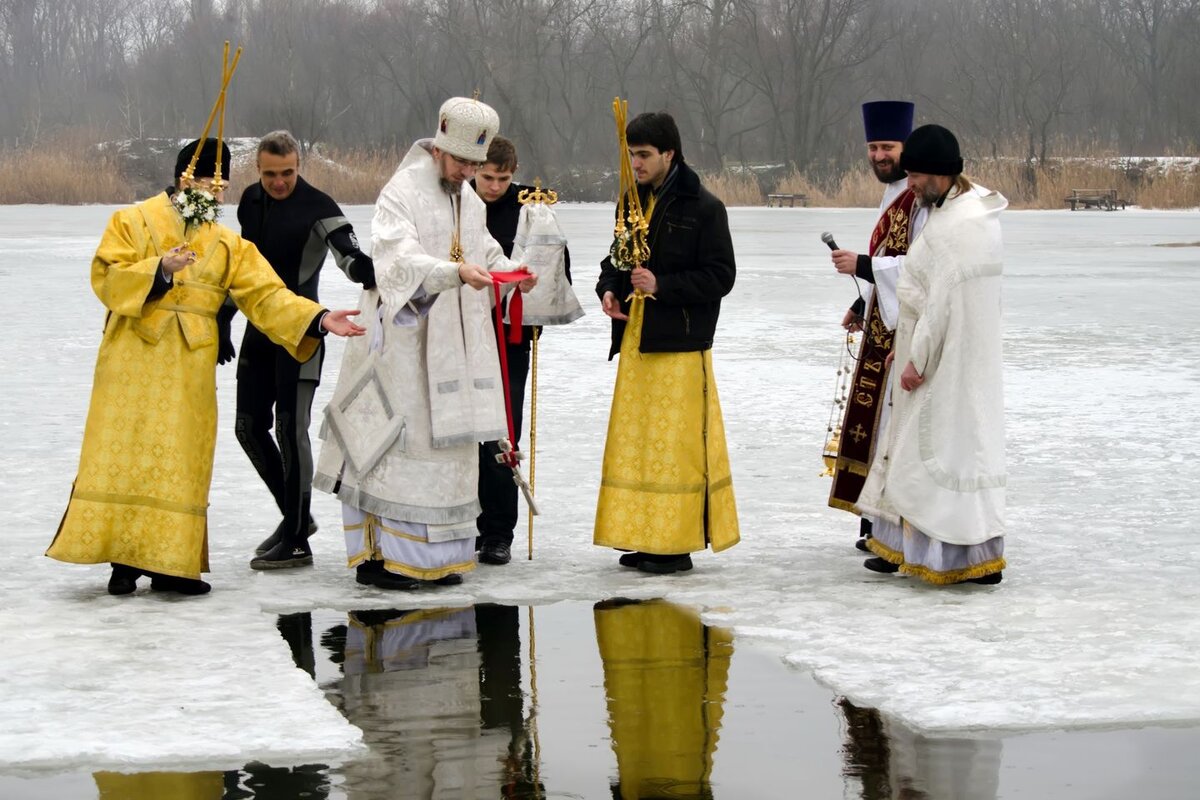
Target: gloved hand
[363,271]
[225,351]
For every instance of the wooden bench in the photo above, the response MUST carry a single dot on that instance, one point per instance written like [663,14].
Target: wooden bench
[790,199]
[1105,199]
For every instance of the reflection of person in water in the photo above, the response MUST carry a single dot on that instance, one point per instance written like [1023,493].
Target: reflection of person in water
[895,763]
[419,684]
[865,750]
[501,701]
[664,675]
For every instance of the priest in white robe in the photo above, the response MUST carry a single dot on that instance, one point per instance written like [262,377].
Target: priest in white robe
[423,387]
[939,481]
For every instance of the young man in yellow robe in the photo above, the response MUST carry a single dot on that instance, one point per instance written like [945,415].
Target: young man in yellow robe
[140,500]
[666,489]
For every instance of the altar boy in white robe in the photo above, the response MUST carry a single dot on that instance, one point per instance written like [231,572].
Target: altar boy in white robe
[940,478]
[423,389]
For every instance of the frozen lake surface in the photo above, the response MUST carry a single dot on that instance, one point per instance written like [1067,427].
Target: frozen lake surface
[1092,626]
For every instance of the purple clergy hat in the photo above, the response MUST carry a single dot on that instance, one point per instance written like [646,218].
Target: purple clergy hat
[887,120]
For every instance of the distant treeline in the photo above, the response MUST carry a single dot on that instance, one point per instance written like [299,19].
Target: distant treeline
[751,81]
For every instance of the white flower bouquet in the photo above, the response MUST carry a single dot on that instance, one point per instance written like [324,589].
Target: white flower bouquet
[196,206]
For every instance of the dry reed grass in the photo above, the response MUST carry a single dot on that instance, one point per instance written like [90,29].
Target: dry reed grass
[735,188]
[796,183]
[55,172]
[1047,185]
[1175,189]
[59,175]
[351,177]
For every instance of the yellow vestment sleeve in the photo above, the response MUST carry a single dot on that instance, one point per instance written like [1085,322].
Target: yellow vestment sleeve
[122,274]
[269,305]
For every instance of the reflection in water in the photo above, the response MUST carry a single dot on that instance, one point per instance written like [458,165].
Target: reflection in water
[439,697]
[665,675]
[865,751]
[165,785]
[891,762]
[439,705]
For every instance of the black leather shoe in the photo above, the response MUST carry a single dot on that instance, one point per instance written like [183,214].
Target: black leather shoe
[372,573]
[453,579]
[171,583]
[987,580]
[631,559]
[861,544]
[881,565]
[123,579]
[365,572]
[664,565]
[495,553]
[284,555]
[276,537]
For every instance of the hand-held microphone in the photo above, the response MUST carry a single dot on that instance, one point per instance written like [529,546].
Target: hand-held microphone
[827,238]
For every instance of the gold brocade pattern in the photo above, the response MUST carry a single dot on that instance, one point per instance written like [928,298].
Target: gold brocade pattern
[141,494]
[898,224]
[665,485]
[665,677]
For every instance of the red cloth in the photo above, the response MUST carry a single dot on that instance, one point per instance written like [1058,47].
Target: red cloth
[514,336]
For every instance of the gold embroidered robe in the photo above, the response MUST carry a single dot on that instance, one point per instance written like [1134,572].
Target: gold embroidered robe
[141,494]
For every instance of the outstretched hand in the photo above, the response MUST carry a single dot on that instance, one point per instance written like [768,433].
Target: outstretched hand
[340,324]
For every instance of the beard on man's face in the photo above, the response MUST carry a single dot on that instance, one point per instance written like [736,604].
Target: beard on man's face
[888,171]
[929,194]
[449,186]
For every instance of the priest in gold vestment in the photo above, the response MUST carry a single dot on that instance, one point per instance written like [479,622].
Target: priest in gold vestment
[666,489]
[140,499]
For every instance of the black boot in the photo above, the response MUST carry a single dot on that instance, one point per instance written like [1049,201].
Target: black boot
[276,537]
[285,555]
[123,579]
[864,533]
[172,583]
[665,565]
[881,565]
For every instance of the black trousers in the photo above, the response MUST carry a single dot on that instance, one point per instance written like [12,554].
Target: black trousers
[275,390]
[497,492]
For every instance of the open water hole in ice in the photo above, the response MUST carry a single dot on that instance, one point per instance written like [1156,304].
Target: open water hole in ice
[623,699]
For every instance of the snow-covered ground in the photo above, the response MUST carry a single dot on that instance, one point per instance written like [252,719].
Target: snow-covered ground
[1092,626]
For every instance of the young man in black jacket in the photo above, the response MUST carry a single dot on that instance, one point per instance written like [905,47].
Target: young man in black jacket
[666,489]
[293,225]
[497,492]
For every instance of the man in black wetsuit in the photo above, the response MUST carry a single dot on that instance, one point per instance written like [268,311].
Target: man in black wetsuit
[294,225]
[497,492]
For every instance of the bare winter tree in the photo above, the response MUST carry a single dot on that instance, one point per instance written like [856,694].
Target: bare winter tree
[760,81]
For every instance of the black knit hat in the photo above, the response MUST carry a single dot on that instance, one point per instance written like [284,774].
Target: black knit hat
[206,167]
[931,150]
